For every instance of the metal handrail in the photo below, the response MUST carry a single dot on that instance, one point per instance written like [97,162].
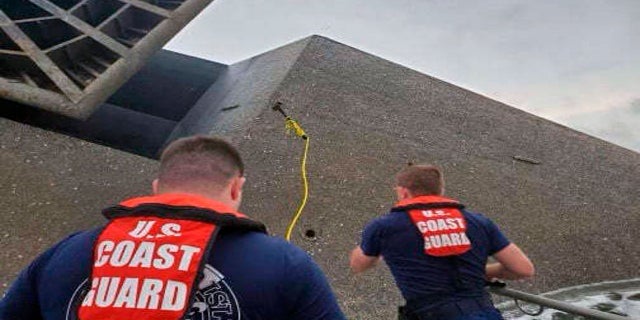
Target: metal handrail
[554,304]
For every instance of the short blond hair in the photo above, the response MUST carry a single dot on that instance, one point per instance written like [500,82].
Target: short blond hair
[199,159]
[421,180]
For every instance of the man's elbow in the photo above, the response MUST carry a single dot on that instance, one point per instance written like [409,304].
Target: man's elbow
[529,271]
[359,262]
[356,265]
[526,270]
[355,269]
[516,264]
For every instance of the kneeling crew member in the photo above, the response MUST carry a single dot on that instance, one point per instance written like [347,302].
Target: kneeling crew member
[183,253]
[437,251]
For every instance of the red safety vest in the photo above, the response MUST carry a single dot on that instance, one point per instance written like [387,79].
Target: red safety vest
[148,257]
[441,223]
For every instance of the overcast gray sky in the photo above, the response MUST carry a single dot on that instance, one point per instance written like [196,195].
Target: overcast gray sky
[576,62]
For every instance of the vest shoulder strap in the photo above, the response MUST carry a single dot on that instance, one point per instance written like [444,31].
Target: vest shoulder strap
[426,206]
[222,220]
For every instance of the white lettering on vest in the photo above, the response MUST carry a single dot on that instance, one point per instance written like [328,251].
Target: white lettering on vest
[189,251]
[440,224]
[144,255]
[434,213]
[446,240]
[88,299]
[154,294]
[455,239]
[171,229]
[165,252]
[175,295]
[150,294]
[103,247]
[106,292]
[122,253]
[142,228]
[128,293]
[464,239]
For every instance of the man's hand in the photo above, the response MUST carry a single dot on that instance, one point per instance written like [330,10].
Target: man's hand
[360,262]
[512,264]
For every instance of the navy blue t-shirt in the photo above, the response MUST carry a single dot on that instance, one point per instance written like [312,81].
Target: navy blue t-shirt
[263,276]
[428,278]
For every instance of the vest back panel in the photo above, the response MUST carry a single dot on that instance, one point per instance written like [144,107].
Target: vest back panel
[145,268]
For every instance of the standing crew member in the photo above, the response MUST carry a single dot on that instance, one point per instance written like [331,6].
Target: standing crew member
[437,251]
[156,258]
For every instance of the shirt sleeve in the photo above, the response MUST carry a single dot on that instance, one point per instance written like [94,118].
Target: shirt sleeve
[21,300]
[497,240]
[307,291]
[371,240]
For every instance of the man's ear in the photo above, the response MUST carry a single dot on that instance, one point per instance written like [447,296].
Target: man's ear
[154,186]
[404,193]
[236,187]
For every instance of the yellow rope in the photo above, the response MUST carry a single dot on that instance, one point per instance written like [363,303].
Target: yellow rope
[292,125]
[305,191]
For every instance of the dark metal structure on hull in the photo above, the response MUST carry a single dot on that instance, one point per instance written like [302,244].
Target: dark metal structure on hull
[69,56]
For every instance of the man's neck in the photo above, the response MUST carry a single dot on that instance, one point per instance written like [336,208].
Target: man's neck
[209,195]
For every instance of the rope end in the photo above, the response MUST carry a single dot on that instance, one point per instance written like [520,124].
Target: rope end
[292,125]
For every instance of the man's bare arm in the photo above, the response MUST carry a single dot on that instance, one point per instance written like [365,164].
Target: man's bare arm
[512,264]
[360,262]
